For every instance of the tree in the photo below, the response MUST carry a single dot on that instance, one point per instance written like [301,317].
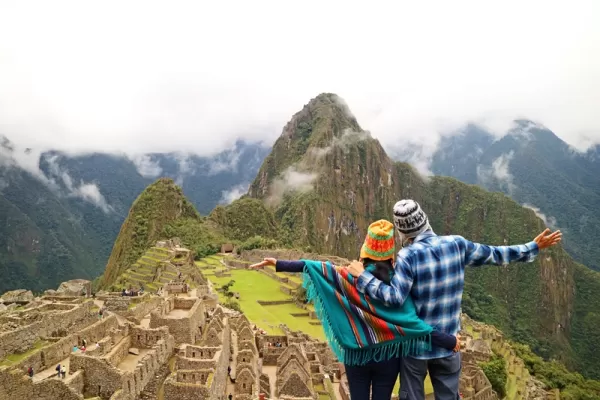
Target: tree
[225,289]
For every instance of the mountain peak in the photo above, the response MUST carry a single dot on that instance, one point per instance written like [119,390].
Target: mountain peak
[310,139]
[160,204]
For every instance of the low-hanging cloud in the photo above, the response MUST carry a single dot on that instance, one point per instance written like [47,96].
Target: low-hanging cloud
[345,142]
[549,220]
[146,166]
[234,193]
[84,190]
[497,173]
[291,180]
[408,75]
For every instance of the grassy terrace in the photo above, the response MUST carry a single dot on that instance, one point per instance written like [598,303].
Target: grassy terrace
[16,358]
[253,286]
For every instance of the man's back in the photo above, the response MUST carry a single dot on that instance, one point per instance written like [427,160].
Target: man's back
[431,270]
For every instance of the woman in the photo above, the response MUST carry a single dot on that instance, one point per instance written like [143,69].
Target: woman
[364,334]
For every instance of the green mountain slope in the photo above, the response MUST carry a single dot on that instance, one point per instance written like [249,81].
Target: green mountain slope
[536,168]
[158,206]
[327,179]
[43,243]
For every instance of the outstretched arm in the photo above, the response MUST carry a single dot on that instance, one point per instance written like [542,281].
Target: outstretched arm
[280,265]
[477,254]
[398,289]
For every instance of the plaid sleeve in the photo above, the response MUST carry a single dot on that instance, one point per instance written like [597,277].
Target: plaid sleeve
[477,254]
[396,292]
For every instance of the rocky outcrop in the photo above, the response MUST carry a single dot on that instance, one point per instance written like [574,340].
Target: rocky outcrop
[17,296]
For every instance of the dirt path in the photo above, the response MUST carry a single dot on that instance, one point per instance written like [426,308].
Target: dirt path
[230,385]
[271,371]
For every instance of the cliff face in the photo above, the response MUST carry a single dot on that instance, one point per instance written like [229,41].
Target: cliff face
[327,179]
[159,205]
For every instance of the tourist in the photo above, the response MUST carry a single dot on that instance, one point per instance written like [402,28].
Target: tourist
[58,370]
[75,348]
[370,342]
[30,372]
[100,313]
[63,370]
[230,396]
[429,271]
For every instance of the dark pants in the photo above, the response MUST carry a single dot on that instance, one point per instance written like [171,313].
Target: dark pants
[443,372]
[376,378]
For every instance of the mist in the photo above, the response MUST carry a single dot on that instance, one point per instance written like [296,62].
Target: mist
[142,77]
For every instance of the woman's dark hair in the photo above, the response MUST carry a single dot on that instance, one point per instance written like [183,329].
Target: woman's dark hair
[381,269]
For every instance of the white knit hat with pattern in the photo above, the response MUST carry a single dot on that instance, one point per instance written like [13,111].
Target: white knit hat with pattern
[409,219]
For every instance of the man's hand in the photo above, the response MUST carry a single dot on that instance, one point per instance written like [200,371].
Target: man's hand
[457,347]
[266,261]
[547,239]
[356,268]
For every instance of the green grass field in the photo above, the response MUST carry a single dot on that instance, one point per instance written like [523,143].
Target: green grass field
[253,286]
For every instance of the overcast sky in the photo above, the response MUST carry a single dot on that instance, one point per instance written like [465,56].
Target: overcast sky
[194,76]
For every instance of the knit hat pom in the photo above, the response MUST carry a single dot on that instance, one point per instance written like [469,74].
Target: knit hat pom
[379,243]
[409,219]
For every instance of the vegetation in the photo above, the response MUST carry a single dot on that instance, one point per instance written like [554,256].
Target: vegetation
[244,219]
[545,172]
[495,370]
[161,204]
[555,375]
[253,286]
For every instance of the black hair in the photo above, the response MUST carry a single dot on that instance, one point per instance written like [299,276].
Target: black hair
[381,269]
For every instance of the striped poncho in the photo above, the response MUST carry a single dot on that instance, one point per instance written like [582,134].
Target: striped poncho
[360,329]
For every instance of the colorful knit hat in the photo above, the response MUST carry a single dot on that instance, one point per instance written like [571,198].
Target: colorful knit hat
[379,243]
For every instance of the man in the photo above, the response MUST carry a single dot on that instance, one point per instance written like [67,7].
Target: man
[430,268]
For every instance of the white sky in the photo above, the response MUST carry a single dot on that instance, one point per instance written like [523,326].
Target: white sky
[194,76]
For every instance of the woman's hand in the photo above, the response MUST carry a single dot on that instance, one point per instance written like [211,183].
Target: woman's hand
[266,261]
[356,268]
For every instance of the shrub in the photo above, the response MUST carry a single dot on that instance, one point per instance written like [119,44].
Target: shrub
[495,370]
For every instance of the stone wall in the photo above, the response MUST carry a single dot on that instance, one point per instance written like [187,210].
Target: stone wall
[101,379]
[142,309]
[23,338]
[15,385]
[118,352]
[62,349]
[184,391]
[185,329]
[274,302]
[145,338]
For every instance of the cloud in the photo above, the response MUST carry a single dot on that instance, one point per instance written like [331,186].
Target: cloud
[291,180]
[237,191]
[497,173]
[228,162]
[348,139]
[550,221]
[86,191]
[147,167]
[409,76]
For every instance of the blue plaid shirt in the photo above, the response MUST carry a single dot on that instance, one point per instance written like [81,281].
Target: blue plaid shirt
[432,271]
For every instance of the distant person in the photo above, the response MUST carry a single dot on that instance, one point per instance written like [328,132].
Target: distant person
[58,370]
[63,370]
[365,335]
[100,313]
[30,372]
[230,396]
[429,271]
